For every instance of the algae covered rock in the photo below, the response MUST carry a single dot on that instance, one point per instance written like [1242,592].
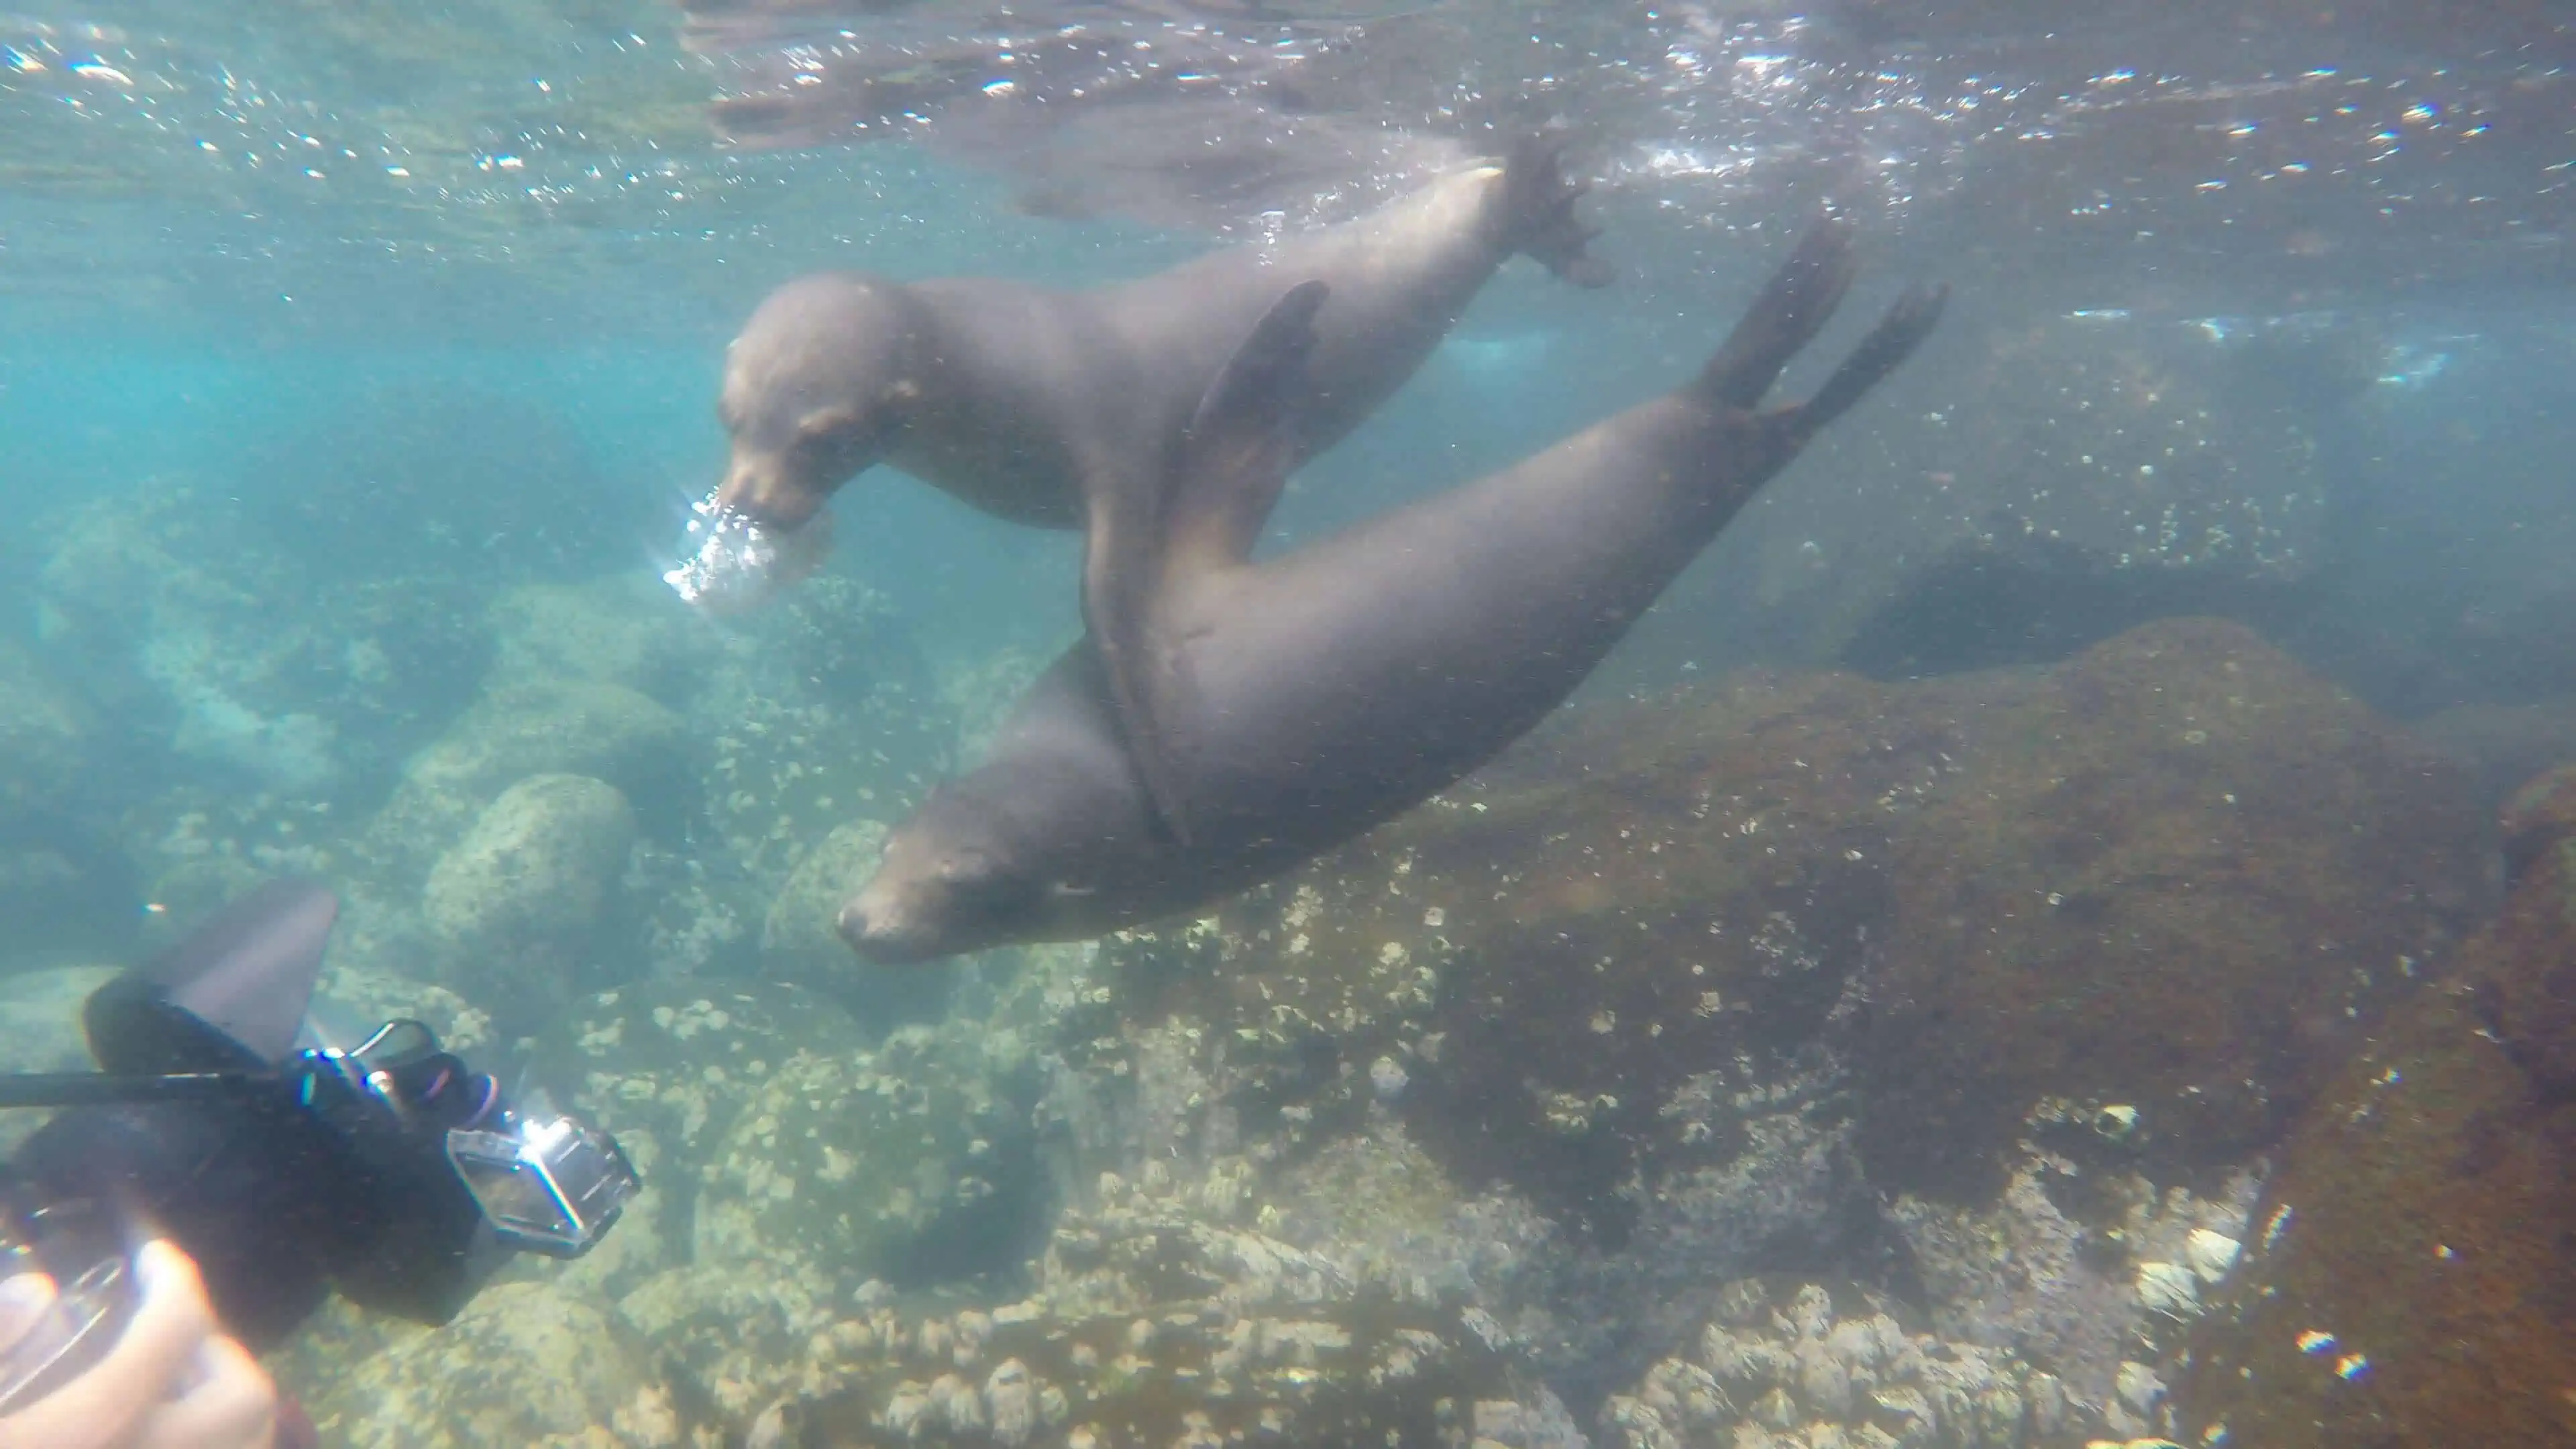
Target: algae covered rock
[2171,873]
[1148,1325]
[2409,1281]
[625,629]
[678,1058]
[515,906]
[538,862]
[43,736]
[821,712]
[912,1162]
[800,940]
[510,732]
[524,1363]
[799,934]
[1717,981]
[1789,1372]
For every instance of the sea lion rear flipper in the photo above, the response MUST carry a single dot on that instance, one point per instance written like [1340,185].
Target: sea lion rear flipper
[1792,309]
[1886,347]
[1538,211]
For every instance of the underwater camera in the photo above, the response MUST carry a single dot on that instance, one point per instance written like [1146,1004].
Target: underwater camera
[388,1169]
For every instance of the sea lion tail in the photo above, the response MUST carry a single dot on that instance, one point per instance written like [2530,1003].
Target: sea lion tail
[1538,211]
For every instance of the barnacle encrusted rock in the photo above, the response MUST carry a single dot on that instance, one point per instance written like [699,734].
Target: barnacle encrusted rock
[912,1162]
[1147,1324]
[1792,1374]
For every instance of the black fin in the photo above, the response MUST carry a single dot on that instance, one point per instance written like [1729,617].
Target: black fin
[1538,202]
[245,976]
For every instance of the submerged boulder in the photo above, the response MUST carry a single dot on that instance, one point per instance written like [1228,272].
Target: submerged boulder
[511,732]
[538,861]
[1716,980]
[2174,874]
[515,905]
[2410,1282]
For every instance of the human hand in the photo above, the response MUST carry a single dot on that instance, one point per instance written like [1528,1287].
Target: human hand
[173,1379]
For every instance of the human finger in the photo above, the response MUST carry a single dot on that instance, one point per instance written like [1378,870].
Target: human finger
[233,1405]
[100,1409]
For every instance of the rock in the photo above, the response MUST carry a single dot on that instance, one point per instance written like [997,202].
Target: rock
[528,886]
[1146,1325]
[2408,1281]
[196,632]
[2165,465]
[679,1058]
[523,1363]
[799,940]
[44,737]
[799,933]
[2538,818]
[1706,981]
[912,1163]
[539,861]
[2174,874]
[625,629]
[820,713]
[513,731]
[356,998]
[2503,746]
[2080,1262]
[1788,1364]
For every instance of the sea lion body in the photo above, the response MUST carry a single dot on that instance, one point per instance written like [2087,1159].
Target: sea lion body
[1313,696]
[1057,408]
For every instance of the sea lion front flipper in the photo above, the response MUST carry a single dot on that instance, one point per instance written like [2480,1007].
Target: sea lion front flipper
[1121,567]
[1217,488]
[1242,441]
[1538,211]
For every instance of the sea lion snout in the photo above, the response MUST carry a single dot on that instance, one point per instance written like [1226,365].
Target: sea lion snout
[880,933]
[758,485]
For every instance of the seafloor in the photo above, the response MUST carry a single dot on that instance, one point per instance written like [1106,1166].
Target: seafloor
[2036,1057]
[2157,1042]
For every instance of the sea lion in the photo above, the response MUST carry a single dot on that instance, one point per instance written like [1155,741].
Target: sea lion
[1312,696]
[1058,408]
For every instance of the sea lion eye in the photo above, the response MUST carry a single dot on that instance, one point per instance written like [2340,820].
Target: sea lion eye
[966,867]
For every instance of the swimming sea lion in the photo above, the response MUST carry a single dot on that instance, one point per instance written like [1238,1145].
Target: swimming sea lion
[1312,696]
[1058,408]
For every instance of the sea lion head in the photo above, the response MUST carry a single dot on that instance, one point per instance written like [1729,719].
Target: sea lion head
[816,389]
[953,879]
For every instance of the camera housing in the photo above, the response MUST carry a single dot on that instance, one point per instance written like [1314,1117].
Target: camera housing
[389,1170]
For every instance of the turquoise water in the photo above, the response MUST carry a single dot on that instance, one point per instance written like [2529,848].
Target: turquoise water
[2105,725]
